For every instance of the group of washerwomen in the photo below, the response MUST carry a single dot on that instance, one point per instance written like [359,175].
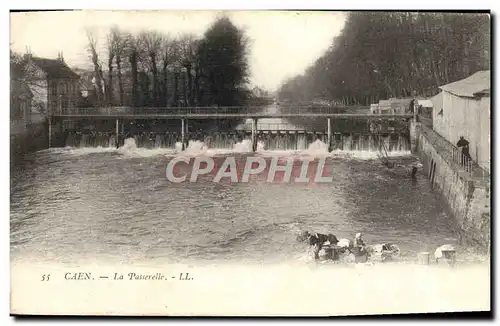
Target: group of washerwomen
[333,247]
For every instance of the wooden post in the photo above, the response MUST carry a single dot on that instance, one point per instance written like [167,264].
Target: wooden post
[182,134]
[50,132]
[329,133]
[117,141]
[254,135]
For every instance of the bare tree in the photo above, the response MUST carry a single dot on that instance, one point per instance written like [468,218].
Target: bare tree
[92,48]
[132,49]
[169,53]
[188,44]
[23,74]
[152,43]
[110,46]
[118,44]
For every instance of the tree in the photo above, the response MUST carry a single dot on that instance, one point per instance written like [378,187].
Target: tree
[99,77]
[121,43]
[187,45]
[223,64]
[157,69]
[381,55]
[152,44]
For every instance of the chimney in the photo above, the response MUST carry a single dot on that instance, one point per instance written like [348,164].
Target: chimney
[61,57]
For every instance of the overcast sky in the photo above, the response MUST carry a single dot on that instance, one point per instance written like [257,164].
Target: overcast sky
[283,44]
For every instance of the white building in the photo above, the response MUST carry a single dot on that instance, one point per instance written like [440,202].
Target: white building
[463,109]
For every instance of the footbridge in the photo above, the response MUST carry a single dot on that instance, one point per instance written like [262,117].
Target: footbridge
[183,114]
[220,113]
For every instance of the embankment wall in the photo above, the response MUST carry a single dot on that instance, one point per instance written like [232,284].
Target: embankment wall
[26,139]
[467,198]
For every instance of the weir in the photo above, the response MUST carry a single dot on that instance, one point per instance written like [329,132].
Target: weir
[166,128]
[268,140]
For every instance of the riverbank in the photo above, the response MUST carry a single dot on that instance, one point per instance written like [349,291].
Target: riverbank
[467,198]
[26,139]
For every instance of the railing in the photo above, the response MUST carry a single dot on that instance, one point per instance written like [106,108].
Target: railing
[212,111]
[273,127]
[426,121]
[454,155]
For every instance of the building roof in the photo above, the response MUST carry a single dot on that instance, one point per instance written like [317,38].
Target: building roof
[55,68]
[384,103]
[468,87]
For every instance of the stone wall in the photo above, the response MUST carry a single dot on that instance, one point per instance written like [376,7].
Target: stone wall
[468,198]
[27,139]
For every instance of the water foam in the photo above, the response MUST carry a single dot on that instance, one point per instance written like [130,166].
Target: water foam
[317,148]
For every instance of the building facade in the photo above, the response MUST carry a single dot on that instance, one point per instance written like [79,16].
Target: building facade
[53,84]
[462,108]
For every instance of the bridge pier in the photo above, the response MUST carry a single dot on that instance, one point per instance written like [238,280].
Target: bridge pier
[117,141]
[184,133]
[329,134]
[50,132]
[254,135]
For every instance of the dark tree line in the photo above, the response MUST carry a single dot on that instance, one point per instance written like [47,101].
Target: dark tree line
[381,55]
[155,69]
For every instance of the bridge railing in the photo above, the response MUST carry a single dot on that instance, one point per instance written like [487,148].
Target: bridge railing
[424,120]
[454,155]
[273,127]
[179,111]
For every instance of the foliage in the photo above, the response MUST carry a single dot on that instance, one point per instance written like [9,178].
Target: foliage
[156,69]
[381,55]
[223,65]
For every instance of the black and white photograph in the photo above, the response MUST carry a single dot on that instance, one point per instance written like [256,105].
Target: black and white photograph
[258,163]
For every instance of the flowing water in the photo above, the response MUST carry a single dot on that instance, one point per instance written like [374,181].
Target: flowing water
[108,210]
[91,201]
[73,205]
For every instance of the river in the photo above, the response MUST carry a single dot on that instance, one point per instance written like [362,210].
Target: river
[114,211]
[76,205]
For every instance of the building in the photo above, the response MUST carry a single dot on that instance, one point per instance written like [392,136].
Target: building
[400,105]
[384,107]
[462,108]
[21,98]
[53,84]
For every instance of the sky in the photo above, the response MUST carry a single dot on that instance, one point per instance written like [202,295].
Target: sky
[282,43]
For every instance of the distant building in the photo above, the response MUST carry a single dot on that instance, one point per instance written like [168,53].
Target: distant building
[53,84]
[384,107]
[392,106]
[463,109]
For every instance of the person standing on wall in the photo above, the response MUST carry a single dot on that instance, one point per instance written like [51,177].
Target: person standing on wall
[412,106]
[463,144]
